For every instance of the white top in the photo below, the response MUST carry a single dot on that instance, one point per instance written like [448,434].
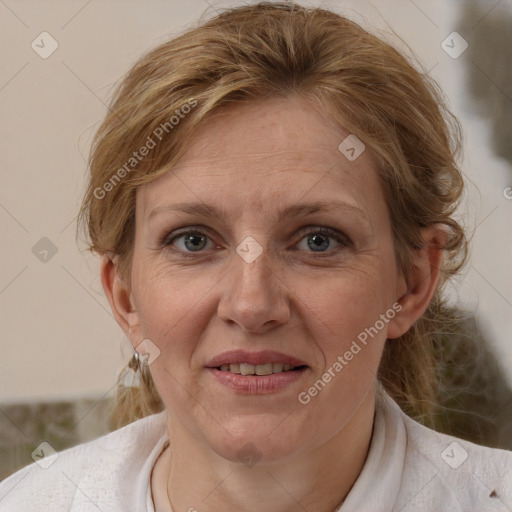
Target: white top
[409,468]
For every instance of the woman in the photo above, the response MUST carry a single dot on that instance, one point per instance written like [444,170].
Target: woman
[272,195]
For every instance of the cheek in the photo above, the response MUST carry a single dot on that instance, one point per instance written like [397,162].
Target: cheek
[350,333]
[347,305]
[169,304]
[172,315]
[176,305]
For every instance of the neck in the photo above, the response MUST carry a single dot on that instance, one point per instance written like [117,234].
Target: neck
[197,479]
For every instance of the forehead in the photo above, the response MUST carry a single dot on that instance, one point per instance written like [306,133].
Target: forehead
[260,153]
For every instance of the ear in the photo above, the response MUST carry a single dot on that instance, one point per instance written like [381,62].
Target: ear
[119,295]
[416,292]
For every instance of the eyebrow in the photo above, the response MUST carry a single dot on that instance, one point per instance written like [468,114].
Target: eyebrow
[296,210]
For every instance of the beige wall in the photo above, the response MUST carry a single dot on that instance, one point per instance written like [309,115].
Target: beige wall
[58,337]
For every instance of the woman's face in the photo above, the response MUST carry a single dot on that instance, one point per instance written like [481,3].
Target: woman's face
[266,246]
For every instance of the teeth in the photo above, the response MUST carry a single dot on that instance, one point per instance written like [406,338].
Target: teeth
[263,369]
[277,367]
[256,369]
[247,369]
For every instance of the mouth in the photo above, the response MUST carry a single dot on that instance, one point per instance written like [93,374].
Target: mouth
[258,369]
[256,372]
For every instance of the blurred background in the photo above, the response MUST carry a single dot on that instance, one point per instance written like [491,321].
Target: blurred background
[61,348]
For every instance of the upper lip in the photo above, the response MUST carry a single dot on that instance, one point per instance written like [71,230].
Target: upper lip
[260,357]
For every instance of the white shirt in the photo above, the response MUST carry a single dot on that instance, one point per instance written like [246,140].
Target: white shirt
[409,468]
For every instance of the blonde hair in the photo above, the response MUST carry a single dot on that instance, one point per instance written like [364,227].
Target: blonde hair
[270,50]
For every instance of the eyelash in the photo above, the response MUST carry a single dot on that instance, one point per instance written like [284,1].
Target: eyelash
[342,239]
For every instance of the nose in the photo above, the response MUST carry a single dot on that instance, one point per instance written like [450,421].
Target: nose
[254,296]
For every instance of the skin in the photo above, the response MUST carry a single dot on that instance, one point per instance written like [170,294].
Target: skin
[255,160]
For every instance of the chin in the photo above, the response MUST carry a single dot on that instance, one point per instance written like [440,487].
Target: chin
[256,441]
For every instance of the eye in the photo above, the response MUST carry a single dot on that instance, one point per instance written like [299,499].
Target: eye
[318,239]
[192,241]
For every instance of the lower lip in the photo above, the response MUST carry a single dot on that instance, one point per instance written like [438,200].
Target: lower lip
[257,384]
